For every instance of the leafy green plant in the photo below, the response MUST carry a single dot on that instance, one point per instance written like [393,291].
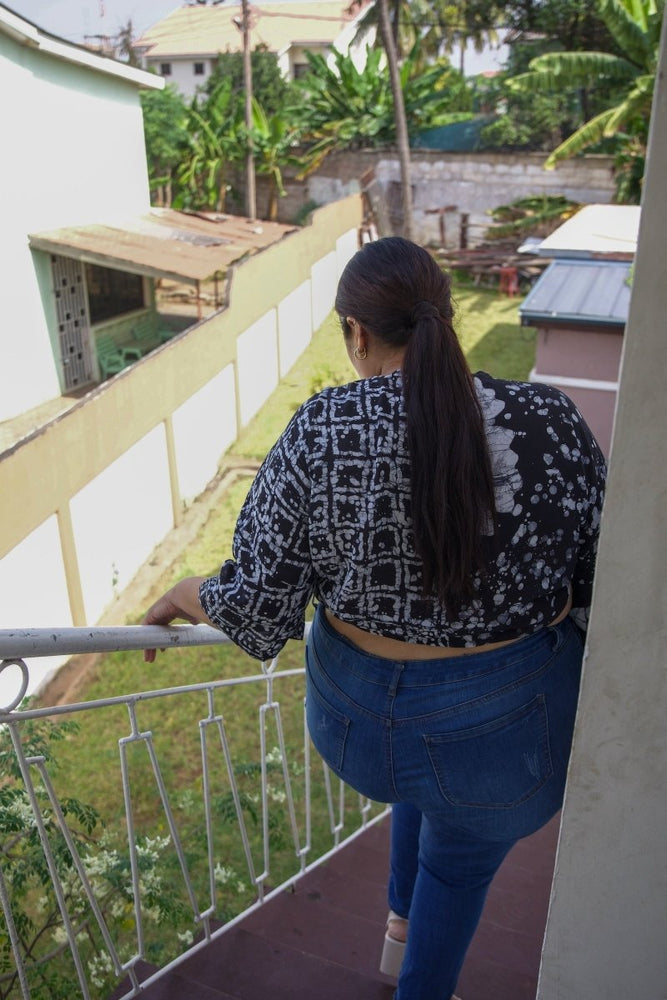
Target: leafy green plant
[635,27]
[273,141]
[165,118]
[216,140]
[339,106]
[268,84]
[538,215]
[33,901]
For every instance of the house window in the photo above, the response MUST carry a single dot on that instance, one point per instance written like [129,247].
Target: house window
[112,293]
[200,69]
[300,69]
[165,69]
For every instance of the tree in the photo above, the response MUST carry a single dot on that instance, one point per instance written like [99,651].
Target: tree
[273,140]
[268,84]
[461,21]
[216,141]
[124,43]
[339,106]
[402,139]
[524,120]
[437,26]
[635,27]
[165,133]
[565,25]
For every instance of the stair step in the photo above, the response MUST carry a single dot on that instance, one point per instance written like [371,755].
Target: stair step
[249,966]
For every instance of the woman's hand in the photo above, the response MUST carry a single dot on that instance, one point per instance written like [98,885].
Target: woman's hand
[180,602]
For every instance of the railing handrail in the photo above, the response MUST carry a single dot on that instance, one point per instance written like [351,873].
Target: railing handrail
[273,782]
[16,643]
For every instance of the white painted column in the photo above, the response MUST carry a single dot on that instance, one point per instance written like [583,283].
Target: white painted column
[606,936]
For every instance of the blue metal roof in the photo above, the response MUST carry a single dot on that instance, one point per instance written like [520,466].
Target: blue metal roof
[586,292]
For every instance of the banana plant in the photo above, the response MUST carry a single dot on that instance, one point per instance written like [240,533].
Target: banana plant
[273,141]
[216,142]
[341,106]
[635,25]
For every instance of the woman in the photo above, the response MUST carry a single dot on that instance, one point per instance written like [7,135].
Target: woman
[447,526]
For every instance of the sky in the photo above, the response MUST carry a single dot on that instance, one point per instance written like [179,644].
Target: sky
[73,19]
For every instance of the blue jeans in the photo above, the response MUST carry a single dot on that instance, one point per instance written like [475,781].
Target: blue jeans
[472,749]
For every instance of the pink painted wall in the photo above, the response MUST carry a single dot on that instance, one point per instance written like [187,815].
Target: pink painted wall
[582,354]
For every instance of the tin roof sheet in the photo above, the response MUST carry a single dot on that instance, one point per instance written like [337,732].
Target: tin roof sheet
[587,292]
[208,30]
[165,243]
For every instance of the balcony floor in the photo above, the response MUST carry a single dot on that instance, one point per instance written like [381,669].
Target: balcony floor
[324,938]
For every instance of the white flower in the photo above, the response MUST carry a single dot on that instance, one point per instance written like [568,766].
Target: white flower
[223,875]
[274,756]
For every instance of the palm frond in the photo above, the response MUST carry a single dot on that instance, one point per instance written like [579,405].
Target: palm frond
[627,21]
[590,133]
[581,67]
[637,102]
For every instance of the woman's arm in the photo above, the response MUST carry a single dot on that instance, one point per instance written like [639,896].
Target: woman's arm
[181,601]
[260,595]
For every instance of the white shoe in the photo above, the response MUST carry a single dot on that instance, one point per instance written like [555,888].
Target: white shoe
[392,949]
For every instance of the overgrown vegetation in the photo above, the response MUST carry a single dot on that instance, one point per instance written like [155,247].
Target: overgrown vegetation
[579,76]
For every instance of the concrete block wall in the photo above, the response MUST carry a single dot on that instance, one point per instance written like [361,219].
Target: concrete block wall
[472,182]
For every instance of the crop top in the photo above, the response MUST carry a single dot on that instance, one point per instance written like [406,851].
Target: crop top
[328,516]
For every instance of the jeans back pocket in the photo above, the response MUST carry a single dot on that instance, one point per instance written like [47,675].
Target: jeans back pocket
[327,727]
[496,765]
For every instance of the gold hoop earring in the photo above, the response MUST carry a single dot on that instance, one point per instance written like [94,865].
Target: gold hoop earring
[360,355]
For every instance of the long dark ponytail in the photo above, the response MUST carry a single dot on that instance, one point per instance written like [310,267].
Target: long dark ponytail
[398,292]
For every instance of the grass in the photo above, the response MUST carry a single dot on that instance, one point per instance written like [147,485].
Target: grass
[88,762]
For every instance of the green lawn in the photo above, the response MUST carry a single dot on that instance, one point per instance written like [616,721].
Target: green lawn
[89,760]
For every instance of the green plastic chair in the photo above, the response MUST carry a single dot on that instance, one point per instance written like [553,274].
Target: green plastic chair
[110,356]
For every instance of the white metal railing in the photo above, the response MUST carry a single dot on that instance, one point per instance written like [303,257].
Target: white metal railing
[101,888]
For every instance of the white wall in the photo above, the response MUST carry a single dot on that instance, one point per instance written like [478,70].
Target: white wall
[257,372]
[324,277]
[125,511]
[34,595]
[204,428]
[119,518]
[346,247]
[74,154]
[607,925]
[295,326]
[182,75]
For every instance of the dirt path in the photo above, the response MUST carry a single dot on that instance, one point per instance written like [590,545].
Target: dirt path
[66,686]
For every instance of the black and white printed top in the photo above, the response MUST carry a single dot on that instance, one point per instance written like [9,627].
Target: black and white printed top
[328,516]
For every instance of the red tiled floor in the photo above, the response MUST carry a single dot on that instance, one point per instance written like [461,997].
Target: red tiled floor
[323,939]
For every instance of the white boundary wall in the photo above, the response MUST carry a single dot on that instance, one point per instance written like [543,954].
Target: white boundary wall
[124,511]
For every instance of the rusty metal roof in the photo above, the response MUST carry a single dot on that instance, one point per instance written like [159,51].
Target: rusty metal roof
[164,243]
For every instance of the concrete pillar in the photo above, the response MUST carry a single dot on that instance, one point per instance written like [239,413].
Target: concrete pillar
[606,935]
